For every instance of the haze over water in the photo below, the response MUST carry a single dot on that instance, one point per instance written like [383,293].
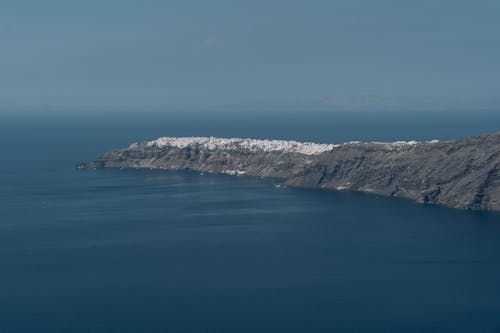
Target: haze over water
[129,251]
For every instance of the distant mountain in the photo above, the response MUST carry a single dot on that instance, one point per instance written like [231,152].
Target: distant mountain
[363,102]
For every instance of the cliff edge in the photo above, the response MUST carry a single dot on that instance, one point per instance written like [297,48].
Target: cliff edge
[460,173]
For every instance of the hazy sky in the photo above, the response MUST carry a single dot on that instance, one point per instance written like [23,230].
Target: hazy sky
[372,54]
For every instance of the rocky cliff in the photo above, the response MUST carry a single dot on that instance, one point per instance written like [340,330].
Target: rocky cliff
[461,174]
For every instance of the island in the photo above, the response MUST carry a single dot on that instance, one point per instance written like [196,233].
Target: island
[460,173]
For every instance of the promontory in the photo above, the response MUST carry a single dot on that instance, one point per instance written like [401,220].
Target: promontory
[460,173]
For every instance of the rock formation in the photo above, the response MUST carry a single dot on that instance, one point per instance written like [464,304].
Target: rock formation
[460,174]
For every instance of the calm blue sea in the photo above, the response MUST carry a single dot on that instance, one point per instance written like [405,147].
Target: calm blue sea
[150,251]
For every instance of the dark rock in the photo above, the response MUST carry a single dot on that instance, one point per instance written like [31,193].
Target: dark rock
[460,174]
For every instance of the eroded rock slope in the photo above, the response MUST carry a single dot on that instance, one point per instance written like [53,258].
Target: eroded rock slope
[461,173]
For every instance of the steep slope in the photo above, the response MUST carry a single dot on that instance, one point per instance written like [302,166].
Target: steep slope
[461,174]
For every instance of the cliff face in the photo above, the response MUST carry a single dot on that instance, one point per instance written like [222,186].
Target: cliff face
[461,174]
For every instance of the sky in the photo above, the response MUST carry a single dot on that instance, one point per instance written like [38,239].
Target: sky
[247,55]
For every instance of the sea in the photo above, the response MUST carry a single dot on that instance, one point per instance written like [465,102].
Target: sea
[164,251]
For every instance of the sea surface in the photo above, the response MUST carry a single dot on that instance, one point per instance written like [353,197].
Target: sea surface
[152,251]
